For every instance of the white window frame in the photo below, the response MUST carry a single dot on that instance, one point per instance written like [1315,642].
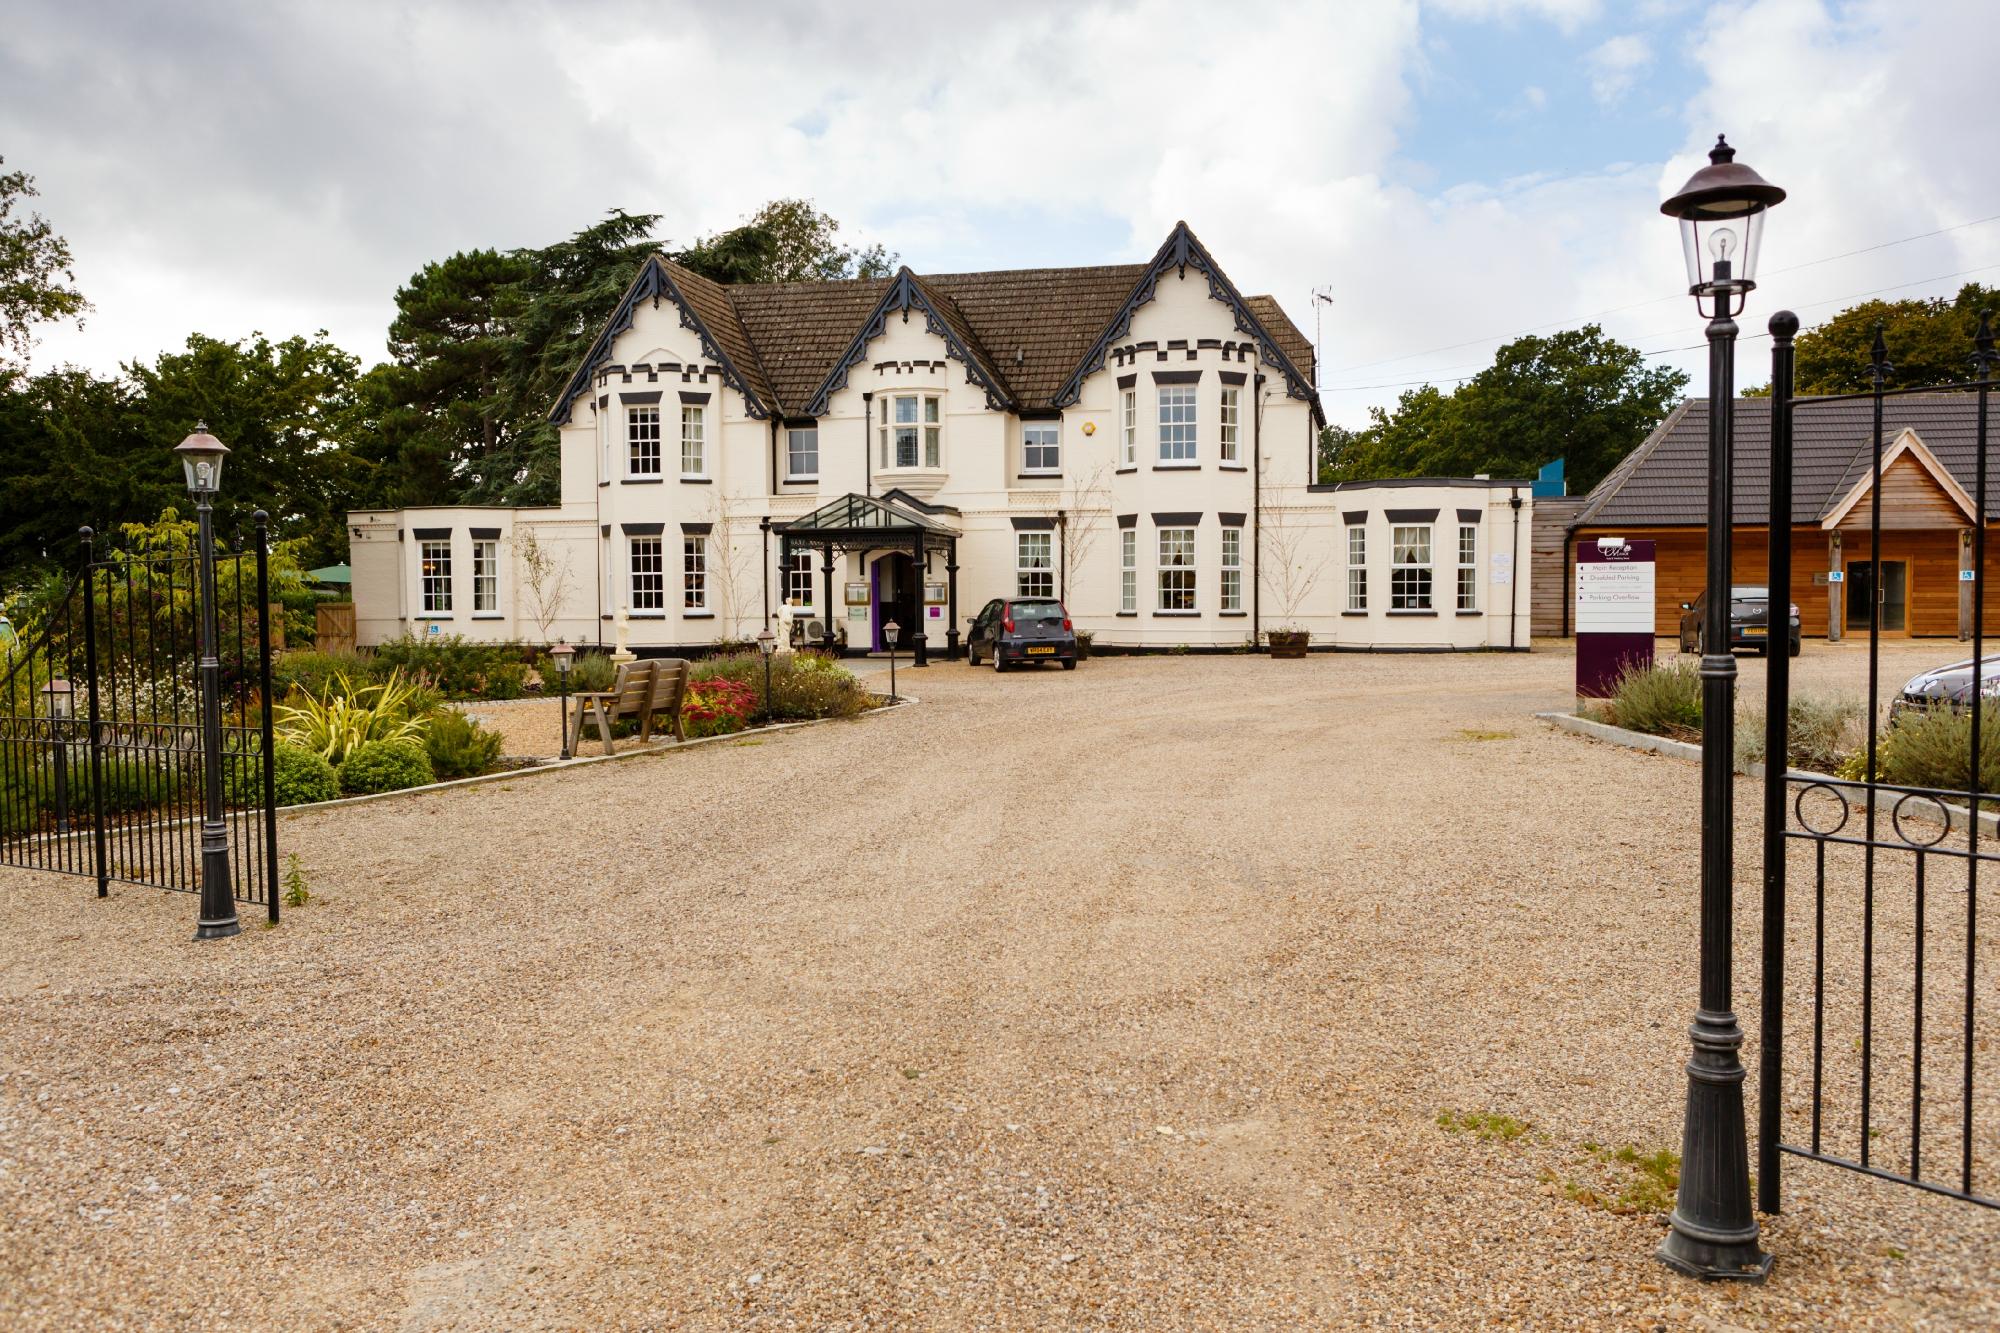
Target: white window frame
[646,574]
[1034,564]
[694,439]
[1411,579]
[1175,577]
[1468,567]
[485,576]
[1041,448]
[1180,435]
[694,571]
[1232,570]
[642,440]
[1130,408]
[793,453]
[434,576]
[800,576]
[923,427]
[1357,567]
[1232,415]
[1128,570]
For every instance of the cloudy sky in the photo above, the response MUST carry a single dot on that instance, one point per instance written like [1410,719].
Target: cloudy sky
[1450,173]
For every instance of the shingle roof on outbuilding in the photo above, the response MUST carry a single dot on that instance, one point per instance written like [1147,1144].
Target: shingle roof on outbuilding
[1664,482]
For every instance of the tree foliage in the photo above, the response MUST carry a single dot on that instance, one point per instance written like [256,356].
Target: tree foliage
[1577,395]
[36,283]
[1929,342]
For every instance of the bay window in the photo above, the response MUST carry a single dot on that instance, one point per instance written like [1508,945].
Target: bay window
[1468,567]
[1232,400]
[694,441]
[1176,571]
[485,575]
[914,437]
[434,576]
[1232,570]
[642,441]
[1129,409]
[1357,567]
[648,574]
[1034,564]
[1410,569]
[694,573]
[1177,428]
[1128,571]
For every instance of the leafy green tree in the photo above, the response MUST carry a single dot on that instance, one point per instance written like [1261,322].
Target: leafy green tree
[787,240]
[283,408]
[36,284]
[1577,395]
[77,452]
[1929,342]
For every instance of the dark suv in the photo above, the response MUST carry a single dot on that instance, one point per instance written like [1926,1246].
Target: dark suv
[1749,621]
[1017,631]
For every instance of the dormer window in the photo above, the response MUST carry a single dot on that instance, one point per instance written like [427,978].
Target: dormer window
[911,431]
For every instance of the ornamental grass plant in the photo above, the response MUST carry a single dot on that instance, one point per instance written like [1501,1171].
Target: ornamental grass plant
[1663,700]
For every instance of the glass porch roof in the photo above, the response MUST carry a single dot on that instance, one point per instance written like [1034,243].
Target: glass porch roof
[866,516]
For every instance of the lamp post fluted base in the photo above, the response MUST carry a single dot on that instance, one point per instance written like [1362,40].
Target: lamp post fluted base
[1713,1234]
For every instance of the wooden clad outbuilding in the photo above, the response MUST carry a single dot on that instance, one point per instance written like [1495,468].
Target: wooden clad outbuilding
[1927,504]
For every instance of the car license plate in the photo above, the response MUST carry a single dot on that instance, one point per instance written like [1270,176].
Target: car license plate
[1755,629]
[1044,650]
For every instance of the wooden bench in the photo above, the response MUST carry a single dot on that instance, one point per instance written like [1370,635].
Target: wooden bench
[640,690]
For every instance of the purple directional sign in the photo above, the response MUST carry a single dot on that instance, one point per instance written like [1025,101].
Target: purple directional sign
[1614,611]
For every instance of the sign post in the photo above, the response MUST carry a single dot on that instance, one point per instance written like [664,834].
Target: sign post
[1614,612]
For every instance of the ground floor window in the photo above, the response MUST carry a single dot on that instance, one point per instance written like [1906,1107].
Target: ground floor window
[1468,568]
[1232,569]
[799,580]
[1410,569]
[1176,573]
[485,575]
[694,573]
[1128,570]
[1357,567]
[1034,564]
[648,575]
[435,576]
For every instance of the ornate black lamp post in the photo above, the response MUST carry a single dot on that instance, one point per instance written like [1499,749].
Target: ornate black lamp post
[564,657]
[890,633]
[767,643]
[1714,1234]
[201,456]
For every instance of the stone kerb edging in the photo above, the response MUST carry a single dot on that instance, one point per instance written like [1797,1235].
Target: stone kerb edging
[581,761]
[1956,816]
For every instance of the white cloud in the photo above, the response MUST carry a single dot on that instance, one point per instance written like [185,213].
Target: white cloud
[1568,15]
[325,157]
[1616,65]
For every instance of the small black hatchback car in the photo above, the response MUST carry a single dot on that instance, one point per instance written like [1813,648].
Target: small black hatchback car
[1022,631]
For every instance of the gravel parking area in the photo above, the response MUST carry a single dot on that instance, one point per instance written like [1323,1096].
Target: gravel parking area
[1125,997]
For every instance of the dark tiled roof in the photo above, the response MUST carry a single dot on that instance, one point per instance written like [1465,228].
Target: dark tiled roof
[1037,323]
[1028,330]
[1664,482]
[711,305]
[1285,333]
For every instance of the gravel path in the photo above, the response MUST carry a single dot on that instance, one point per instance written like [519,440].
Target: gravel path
[1127,997]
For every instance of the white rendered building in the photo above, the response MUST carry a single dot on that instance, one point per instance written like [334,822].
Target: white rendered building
[1137,439]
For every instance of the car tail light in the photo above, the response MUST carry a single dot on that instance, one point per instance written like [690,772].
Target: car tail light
[1007,622]
[1067,627]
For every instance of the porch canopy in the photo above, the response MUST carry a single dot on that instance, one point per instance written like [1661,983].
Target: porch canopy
[892,521]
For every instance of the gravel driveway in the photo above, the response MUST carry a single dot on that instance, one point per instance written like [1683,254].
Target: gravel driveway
[1124,997]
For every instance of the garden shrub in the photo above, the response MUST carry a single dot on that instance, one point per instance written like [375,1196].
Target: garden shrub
[459,747]
[387,765]
[1824,730]
[804,686]
[310,671]
[342,716]
[301,776]
[590,672]
[460,667]
[1662,700]
[1934,749]
[716,706]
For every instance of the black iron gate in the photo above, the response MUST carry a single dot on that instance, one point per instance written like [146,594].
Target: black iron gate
[1893,1015]
[102,768]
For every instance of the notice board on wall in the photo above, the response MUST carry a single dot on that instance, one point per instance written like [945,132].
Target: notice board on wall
[1614,611]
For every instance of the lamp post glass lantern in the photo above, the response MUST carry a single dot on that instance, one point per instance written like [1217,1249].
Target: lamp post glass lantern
[60,696]
[564,656]
[767,643]
[1712,1231]
[201,456]
[890,633]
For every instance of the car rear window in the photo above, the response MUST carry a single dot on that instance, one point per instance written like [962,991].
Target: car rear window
[1037,610]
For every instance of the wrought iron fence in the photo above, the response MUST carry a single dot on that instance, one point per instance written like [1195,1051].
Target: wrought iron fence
[101,756]
[1894,1004]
